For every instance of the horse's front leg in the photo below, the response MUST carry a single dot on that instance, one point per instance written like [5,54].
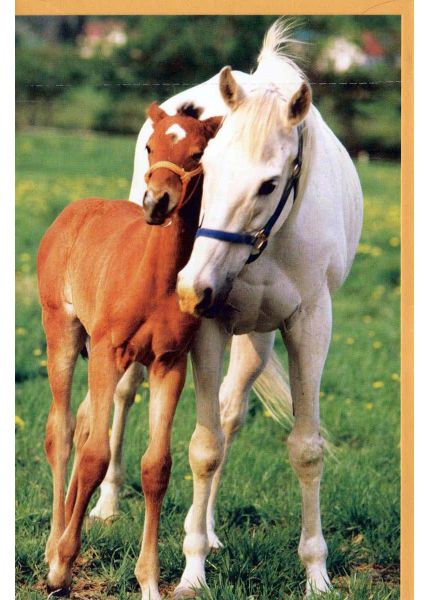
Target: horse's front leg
[307,343]
[165,389]
[205,451]
[248,357]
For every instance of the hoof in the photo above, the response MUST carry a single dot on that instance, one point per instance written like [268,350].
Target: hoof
[62,592]
[214,542]
[182,591]
[98,514]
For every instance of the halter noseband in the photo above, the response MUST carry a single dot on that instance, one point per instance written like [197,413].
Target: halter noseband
[185,176]
[259,240]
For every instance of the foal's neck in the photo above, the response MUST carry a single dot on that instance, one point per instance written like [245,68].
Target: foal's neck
[173,244]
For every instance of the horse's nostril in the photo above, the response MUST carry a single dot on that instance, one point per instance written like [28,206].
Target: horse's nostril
[207,299]
[163,203]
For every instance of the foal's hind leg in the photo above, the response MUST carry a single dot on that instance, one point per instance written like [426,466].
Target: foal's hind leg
[248,357]
[93,459]
[64,338]
[165,390]
[307,344]
[108,502]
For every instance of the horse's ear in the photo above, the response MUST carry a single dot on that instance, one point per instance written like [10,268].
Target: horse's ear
[299,105]
[230,89]
[212,125]
[155,112]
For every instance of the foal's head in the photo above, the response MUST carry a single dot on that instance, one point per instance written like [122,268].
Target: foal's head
[175,149]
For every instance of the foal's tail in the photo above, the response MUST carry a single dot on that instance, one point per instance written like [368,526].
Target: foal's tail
[272,387]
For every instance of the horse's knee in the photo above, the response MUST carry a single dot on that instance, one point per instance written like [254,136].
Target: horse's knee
[59,434]
[233,418]
[155,472]
[93,464]
[306,455]
[206,451]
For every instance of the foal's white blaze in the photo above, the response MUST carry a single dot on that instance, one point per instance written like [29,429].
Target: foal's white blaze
[177,132]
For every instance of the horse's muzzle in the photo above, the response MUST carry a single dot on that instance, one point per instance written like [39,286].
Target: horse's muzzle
[156,210]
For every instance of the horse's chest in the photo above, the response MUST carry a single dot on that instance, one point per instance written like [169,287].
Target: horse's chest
[163,336]
[260,305]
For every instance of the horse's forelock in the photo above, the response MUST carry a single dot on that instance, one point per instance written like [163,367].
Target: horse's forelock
[189,109]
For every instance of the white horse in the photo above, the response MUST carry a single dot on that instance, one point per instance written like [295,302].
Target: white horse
[309,252]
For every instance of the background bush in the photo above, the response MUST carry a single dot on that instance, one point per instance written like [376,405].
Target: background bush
[108,88]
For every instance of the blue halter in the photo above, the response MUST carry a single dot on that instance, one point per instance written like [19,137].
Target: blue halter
[259,240]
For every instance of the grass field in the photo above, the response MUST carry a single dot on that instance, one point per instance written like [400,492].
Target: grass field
[259,503]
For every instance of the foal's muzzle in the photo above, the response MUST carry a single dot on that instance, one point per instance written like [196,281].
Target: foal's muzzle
[156,209]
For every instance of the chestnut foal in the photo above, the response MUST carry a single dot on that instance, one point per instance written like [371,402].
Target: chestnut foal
[107,275]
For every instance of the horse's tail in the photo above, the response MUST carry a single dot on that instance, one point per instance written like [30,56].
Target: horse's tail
[272,387]
[277,38]
[273,390]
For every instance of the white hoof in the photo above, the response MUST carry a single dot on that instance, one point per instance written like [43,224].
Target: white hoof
[213,541]
[150,592]
[184,591]
[107,506]
[318,582]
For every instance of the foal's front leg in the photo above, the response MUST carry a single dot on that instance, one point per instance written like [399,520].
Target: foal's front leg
[165,389]
[205,451]
[307,344]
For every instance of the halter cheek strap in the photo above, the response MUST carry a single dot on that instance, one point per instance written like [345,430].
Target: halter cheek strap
[259,240]
[185,176]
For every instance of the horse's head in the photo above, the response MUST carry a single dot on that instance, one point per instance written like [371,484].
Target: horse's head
[175,149]
[246,168]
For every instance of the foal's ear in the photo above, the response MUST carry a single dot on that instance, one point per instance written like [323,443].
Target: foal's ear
[299,105]
[230,89]
[155,112]
[212,125]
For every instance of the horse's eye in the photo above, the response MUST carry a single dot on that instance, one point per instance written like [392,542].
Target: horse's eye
[148,149]
[267,187]
[197,155]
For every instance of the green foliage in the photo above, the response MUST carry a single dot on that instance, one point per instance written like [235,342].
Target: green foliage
[164,55]
[259,501]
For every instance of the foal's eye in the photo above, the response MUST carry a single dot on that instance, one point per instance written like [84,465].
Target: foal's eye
[197,156]
[267,187]
[148,149]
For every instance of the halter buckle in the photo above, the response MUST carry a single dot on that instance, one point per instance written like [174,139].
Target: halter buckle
[260,241]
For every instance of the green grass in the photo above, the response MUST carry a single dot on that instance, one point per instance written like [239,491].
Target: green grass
[259,503]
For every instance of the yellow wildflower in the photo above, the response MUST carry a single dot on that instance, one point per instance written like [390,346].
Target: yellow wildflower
[268,414]
[395,377]
[37,352]
[377,344]
[367,319]
[378,384]
[394,241]
[20,423]
[43,362]
[138,398]
[188,477]
[21,331]
[146,385]
[369,406]
[349,341]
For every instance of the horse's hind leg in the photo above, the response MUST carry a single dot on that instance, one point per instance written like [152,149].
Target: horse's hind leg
[93,458]
[248,357]
[307,344]
[64,338]
[108,502]
[165,390]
